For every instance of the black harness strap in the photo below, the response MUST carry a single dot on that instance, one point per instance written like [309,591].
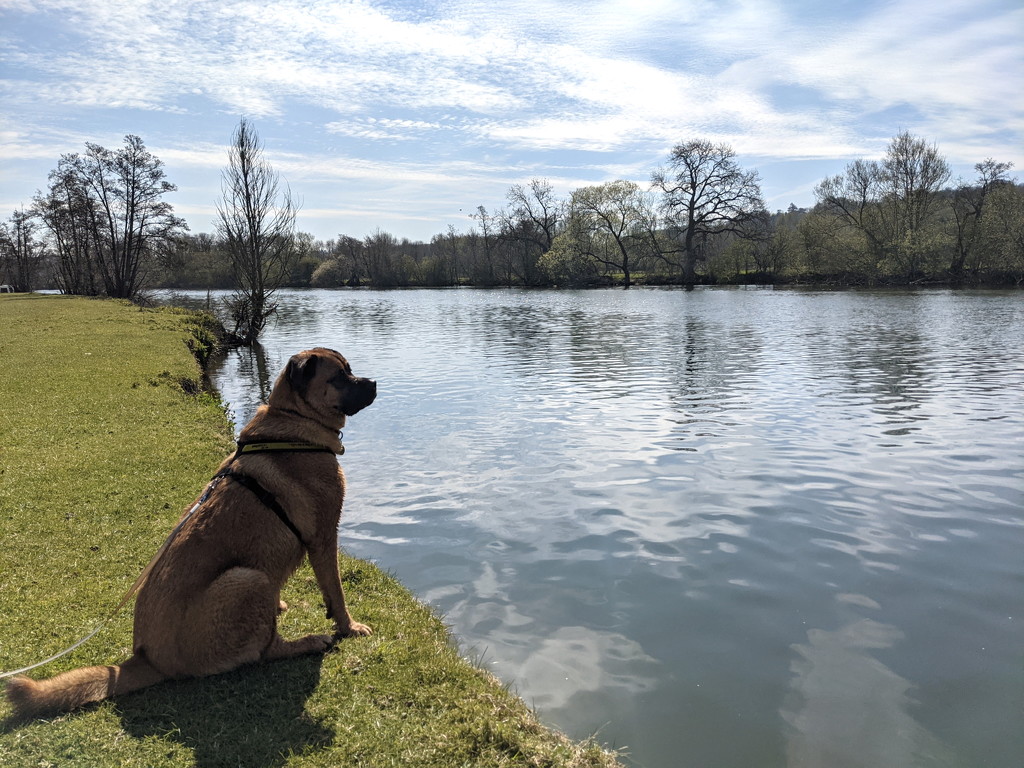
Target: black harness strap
[266,498]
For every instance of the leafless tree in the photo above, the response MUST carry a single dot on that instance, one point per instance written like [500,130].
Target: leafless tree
[529,227]
[443,266]
[349,250]
[913,172]
[537,206]
[483,265]
[131,221]
[256,221]
[21,251]
[105,211]
[890,201]
[705,193]
[968,206]
[381,257]
[67,211]
[852,197]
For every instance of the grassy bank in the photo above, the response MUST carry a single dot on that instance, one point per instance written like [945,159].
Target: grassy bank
[104,438]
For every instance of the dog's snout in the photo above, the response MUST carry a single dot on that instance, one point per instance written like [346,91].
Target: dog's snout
[370,385]
[359,395]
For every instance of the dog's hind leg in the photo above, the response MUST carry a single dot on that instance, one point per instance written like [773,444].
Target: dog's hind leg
[231,624]
[280,648]
[235,623]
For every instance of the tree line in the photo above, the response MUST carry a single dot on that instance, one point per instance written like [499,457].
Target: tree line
[101,227]
[702,219]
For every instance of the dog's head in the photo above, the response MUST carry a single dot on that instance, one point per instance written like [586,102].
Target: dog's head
[322,380]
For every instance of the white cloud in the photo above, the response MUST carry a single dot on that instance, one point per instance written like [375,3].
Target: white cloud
[357,88]
[922,54]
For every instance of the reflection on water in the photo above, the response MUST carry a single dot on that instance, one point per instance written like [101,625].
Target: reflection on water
[588,661]
[253,368]
[849,709]
[720,528]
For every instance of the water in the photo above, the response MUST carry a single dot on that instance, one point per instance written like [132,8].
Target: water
[717,528]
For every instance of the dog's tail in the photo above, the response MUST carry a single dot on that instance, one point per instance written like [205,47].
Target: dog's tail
[70,690]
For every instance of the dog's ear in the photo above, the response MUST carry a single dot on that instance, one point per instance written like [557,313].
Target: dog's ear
[300,372]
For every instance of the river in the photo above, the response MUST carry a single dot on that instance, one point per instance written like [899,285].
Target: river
[723,527]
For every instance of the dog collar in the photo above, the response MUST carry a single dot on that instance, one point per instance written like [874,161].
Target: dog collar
[278,447]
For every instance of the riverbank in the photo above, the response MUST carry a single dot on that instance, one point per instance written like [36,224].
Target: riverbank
[107,436]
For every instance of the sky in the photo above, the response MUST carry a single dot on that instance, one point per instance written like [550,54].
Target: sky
[406,115]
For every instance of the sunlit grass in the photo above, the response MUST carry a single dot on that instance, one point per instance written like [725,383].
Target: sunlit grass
[104,441]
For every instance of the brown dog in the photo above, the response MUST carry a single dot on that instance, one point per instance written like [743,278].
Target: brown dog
[211,600]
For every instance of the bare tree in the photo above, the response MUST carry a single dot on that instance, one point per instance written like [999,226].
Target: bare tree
[131,221]
[539,208]
[483,265]
[105,211]
[349,251]
[852,197]
[21,251]
[705,193]
[443,266]
[890,201]
[381,257]
[968,206]
[913,174]
[529,227]
[67,211]
[256,220]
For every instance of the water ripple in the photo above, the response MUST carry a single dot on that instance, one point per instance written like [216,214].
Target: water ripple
[749,527]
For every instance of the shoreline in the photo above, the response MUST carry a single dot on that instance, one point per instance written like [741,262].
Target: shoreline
[109,435]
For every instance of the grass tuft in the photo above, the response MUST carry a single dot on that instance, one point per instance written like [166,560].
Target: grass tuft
[107,436]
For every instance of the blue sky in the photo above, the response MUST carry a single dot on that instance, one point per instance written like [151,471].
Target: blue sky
[406,115]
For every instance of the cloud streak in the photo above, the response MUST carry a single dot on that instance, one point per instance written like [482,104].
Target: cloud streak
[467,93]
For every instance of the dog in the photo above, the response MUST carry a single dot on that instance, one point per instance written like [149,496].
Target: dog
[210,601]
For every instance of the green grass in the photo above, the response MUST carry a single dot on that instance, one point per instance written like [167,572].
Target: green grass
[104,439]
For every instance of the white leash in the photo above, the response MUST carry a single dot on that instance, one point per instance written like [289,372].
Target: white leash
[131,591]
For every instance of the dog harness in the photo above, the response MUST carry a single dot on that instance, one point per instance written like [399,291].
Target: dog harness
[271,447]
[265,497]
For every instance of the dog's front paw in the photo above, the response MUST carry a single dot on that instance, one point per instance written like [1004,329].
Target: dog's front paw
[354,629]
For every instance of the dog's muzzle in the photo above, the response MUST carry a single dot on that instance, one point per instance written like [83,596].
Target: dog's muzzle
[359,394]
